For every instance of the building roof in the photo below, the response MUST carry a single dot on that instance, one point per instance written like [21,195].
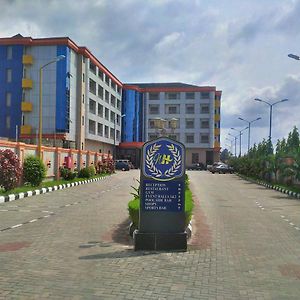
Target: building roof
[165,84]
[18,39]
[168,87]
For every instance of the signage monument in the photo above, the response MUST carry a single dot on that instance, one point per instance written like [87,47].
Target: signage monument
[162,214]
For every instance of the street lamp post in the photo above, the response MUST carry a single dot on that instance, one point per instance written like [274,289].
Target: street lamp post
[249,125]
[58,58]
[240,134]
[271,112]
[235,138]
[114,149]
[231,141]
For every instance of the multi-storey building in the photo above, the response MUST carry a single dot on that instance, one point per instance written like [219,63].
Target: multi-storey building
[81,98]
[189,114]
[84,104]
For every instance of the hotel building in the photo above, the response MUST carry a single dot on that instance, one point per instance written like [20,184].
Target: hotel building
[81,98]
[189,114]
[84,104]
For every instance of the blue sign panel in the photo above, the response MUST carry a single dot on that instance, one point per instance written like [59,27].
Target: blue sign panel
[163,160]
[162,196]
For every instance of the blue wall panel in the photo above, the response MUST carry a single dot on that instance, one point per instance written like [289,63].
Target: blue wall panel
[132,123]
[14,87]
[62,90]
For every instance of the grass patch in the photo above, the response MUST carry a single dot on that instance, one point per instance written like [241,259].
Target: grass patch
[26,188]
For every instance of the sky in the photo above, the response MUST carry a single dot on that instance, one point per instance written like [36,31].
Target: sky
[239,46]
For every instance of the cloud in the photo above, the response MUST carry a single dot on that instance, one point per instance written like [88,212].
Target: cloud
[238,46]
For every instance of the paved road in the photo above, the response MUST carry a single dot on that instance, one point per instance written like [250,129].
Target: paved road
[73,245]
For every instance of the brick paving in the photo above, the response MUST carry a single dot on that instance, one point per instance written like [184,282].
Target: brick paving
[242,247]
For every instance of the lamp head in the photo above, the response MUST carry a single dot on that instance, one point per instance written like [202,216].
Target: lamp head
[284,100]
[257,99]
[60,57]
[241,119]
[293,56]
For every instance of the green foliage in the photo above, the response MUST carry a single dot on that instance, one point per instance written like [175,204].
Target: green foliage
[261,162]
[84,173]
[134,204]
[67,174]
[34,170]
[92,171]
[10,170]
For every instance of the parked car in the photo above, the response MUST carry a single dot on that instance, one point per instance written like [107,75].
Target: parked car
[222,169]
[198,167]
[120,165]
[214,165]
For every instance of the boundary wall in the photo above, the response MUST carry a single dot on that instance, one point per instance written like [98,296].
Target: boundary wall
[55,157]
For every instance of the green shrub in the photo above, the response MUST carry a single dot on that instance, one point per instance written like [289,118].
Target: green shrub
[10,170]
[34,170]
[84,173]
[67,174]
[92,171]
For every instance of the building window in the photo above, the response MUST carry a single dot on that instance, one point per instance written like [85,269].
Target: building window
[92,127]
[189,138]
[118,119]
[100,91]
[119,90]
[92,106]
[8,75]
[195,158]
[113,85]
[100,129]
[8,122]
[107,79]
[106,113]
[172,109]
[23,119]
[153,109]
[217,110]
[112,133]
[9,52]
[112,116]
[8,99]
[119,104]
[189,123]
[100,110]
[82,120]
[151,124]
[189,108]
[205,95]
[83,98]
[118,135]
[172,96]
[204,138]
[152,137]
[217,124]
[113,101]
[205,123]
[190,95]
[106,131]
[92,86]
[93,68]
[100,75]
[82,77]
[204,109]
[153,96]
[107,96]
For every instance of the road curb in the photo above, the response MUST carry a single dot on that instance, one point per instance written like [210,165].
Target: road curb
[273,187]
[13,197]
